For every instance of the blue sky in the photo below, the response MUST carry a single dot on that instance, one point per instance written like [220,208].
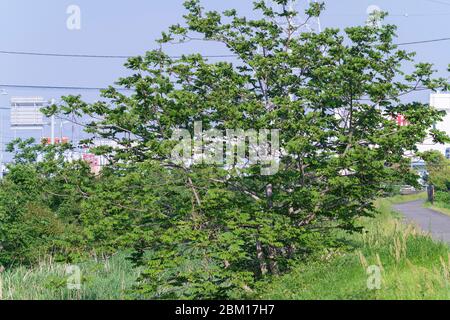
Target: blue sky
[130,28]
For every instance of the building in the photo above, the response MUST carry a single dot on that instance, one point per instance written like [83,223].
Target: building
[26,113]
[440,101]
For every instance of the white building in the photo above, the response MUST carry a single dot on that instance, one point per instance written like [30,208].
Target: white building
[26,113]
[440,101]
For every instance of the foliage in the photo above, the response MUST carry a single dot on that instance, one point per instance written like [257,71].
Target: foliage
[211,231]
[443,197]
[40,206]
[102,279]
[407,198]
[420,271]
[438,168]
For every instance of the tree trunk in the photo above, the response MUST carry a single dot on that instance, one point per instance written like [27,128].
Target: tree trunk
[261,259]
[269,193]
[273,265]
[271,250]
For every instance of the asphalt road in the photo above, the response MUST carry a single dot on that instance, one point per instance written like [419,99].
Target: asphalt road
[435,223]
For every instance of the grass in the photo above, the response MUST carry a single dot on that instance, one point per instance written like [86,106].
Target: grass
[406,198]
[100,280]
[411,264]
[441,207]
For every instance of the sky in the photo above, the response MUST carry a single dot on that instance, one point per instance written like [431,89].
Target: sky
[130,28]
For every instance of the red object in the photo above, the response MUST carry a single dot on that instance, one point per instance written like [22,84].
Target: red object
[58,140]
[91,159]
[401,120]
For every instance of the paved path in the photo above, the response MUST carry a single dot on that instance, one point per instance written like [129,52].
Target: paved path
[435,223]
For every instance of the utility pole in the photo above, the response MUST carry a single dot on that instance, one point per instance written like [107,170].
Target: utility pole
[52,125]
[3,93]
[312,25]
[316,21]
[1,147]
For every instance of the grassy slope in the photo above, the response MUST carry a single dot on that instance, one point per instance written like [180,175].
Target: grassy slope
[414,267]
[104,280]
[439,207]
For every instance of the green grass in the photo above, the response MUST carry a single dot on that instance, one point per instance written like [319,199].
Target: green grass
[412,265]
[102,280]
[441,207]
[406,198]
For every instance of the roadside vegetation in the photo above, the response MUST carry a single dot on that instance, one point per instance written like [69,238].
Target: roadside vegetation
[438,168]
[412,265]
[100,279]
[324,106]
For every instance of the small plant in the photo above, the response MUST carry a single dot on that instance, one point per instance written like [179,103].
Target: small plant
[2,269]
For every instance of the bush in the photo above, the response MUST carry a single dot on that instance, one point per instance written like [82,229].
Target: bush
[443,197]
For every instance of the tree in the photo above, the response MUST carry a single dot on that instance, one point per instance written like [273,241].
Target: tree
[438,169]
[41,204]
[208,231]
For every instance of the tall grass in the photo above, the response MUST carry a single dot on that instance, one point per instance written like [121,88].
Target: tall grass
[412,265]
[107,279]
[404,198]
[441,203]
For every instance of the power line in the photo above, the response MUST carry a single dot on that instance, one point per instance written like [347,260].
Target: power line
[63,55]
[440,2]
[48,54]
[391,15]
[125,89]
[22,86]
[423,41]
[57,87]
[90,56]
[123,57]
